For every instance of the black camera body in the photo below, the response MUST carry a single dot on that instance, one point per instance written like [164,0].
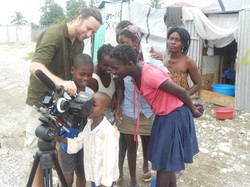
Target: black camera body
[59,110]
[68,109]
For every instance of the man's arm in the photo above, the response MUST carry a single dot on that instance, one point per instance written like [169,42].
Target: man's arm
[69,86]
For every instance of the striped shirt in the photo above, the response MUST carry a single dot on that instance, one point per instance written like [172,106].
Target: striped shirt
[101,146]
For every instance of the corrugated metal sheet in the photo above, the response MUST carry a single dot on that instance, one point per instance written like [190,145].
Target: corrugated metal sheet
[195,48]
[242,92]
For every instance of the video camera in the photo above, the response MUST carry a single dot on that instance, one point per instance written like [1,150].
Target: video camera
[60,110]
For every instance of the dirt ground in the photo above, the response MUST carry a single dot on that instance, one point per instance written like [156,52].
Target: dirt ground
[223,161]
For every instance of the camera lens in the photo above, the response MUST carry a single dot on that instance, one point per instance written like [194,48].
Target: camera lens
[62,105]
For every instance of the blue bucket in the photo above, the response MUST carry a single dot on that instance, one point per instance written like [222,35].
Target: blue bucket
[225,89]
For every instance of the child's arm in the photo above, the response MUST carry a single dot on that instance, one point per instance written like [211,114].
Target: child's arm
[60,139]
[176,90]
[117,101]
[75,144]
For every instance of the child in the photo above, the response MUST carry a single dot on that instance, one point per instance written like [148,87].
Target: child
[81,71]
[103,80]
[100,141]
[173,139]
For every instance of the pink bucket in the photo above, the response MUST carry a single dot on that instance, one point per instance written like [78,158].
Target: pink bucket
[224,112]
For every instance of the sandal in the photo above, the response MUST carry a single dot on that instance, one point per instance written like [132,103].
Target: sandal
[147,177]
[131,185]
[118,182]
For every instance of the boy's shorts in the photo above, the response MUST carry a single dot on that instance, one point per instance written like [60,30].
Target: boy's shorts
[70,161]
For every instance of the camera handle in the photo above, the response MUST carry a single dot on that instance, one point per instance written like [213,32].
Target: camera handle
[46,160]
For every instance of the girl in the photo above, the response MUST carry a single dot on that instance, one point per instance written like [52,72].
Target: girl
[137,117]
[173,139]
[102,78]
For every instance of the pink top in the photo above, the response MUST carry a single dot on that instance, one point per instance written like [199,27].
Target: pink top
[160,102]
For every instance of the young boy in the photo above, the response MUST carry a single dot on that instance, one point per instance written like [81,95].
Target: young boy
[81,71]
[100,140]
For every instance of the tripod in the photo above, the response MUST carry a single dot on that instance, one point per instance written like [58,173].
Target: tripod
[47,156]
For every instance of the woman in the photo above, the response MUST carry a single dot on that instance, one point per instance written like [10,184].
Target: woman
[178,63]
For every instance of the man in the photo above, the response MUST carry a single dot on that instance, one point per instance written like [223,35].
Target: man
[55,50]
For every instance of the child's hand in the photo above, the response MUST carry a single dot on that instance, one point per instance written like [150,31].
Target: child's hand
[60,139]
[198,110]
[57,138]
[118,115]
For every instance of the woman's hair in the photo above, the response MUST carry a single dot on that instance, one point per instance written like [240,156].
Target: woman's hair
[122,25]
[103,51]
[185,37]
[83,59]
[124,53]
[133,32]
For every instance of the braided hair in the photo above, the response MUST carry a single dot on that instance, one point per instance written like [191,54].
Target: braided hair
[124,53]
[185,37]
[103,51]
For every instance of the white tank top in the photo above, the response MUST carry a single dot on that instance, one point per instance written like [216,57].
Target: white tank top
[101,88]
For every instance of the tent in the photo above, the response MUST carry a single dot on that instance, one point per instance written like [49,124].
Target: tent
[225,6]
[206,27]
[148,19]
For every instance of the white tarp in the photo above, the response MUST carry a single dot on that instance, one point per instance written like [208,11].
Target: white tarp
[217,36]
[148,19]
[220,6]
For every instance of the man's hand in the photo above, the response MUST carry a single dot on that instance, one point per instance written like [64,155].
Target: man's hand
[69,87]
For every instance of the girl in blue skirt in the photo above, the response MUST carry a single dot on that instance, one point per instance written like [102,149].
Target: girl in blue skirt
[173,138]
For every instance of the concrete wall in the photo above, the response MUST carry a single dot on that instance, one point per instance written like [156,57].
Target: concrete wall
[19,33]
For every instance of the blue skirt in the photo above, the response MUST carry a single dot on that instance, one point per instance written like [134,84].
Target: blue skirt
[173,140]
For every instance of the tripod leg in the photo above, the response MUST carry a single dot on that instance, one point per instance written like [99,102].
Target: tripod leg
[46,165]
[59,170]
[33,170]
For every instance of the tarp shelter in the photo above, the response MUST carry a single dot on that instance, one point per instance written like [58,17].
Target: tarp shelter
[201,28]
[219,28]
[150,20]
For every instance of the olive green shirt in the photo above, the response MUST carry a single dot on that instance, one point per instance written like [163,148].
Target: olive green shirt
[55,51]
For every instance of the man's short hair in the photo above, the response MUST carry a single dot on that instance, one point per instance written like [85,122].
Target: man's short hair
[91,12]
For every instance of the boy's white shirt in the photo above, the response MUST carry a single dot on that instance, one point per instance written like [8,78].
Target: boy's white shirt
[101,149]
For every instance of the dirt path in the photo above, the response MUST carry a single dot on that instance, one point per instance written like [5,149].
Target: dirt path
[223,161]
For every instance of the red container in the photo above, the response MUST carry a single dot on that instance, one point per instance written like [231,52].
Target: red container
[224,112]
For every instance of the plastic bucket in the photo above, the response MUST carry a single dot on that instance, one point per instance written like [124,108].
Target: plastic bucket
[225,89]
[224,112]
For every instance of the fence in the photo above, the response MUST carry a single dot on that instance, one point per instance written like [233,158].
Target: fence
[18,33]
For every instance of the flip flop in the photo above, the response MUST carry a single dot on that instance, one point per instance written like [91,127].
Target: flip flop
[147,177]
